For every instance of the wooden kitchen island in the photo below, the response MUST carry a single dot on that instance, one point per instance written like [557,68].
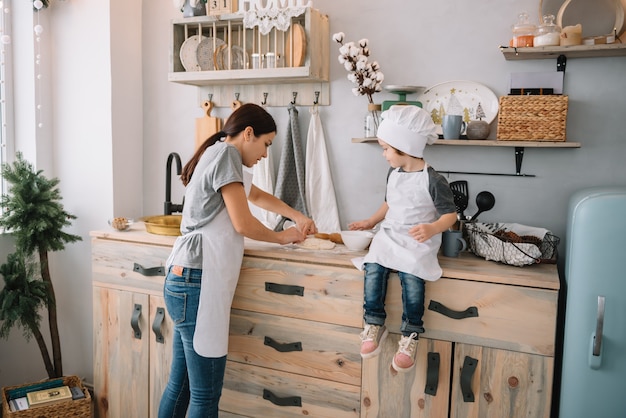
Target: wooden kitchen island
[488,349]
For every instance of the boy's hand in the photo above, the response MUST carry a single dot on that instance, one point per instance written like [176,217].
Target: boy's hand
[422,232]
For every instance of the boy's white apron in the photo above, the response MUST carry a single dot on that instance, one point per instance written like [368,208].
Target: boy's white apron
[221,265]
[409,201]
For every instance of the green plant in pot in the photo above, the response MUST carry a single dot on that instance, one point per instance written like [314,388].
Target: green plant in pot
[33,214]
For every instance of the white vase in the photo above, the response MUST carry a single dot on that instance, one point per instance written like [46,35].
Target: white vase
[198,10]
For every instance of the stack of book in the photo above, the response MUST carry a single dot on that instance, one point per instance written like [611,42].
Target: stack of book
[42,394]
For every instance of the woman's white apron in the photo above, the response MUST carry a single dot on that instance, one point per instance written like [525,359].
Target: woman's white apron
[222,253]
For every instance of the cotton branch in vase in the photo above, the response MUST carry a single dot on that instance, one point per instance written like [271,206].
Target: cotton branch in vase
[365,74]
[355,59]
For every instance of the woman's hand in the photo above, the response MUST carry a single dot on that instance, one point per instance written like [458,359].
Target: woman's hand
[291,235]
[305,224]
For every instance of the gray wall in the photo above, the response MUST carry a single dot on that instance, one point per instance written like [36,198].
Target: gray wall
[107,152]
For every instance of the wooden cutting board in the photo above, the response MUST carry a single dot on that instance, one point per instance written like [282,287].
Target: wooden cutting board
[207,125]
[295,46]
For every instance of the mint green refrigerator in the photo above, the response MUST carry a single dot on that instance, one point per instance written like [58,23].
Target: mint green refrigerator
[593,368]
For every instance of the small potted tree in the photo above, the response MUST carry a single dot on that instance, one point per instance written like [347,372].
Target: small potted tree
[32,212]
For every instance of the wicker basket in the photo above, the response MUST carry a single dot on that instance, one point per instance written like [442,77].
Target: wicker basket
[532,118]
[533,245]
[80,408]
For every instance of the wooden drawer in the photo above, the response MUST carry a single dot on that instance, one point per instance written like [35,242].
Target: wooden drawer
[129,265]
[516,318]
[309,348]
[251,391]
[307,291]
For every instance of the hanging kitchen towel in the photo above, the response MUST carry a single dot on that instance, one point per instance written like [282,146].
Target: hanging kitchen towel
[290,179]
[319,190]
[263,178]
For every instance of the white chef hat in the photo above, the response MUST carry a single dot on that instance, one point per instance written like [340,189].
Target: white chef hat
[407,128]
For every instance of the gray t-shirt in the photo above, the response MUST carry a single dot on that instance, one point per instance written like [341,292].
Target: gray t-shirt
[221,164]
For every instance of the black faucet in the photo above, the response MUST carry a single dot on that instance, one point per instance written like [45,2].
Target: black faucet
[170,207]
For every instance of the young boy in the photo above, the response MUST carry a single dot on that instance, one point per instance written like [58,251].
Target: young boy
[418,207]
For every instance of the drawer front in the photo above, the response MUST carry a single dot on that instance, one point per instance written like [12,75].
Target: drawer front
[129,266]
[309,348]
[306,291]
[260,392]
[510,317]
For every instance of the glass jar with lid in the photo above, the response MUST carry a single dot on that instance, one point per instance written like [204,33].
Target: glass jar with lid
[523,32]
[548,33]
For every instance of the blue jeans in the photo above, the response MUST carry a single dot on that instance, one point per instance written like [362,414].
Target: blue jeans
[195,382]
[375,289]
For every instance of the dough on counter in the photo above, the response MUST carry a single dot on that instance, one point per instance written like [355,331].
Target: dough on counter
[312,243]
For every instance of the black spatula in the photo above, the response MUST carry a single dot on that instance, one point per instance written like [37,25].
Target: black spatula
[460,190]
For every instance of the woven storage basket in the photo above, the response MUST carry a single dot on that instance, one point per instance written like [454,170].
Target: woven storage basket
[534,245]
[532,118]
[80,408]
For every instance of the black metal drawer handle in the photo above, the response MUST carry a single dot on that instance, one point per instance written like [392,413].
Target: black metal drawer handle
[286,401]
[282,347]
[432,374]
[149,271]
[472,311]
[156,325]
[134,320]
[284,289]
[467,371]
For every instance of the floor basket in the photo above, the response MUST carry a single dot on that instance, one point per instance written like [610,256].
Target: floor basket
[514,244]
[80,408]
[532,118]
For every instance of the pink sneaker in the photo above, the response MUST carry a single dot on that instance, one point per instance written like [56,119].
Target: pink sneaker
[404,360]
[371,338]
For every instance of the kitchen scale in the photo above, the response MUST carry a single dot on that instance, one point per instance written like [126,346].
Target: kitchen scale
[402,91]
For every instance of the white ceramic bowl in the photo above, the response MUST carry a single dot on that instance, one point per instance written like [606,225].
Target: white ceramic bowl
[357,240]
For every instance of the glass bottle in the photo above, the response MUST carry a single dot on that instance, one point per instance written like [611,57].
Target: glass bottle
[372,120]
[548,33]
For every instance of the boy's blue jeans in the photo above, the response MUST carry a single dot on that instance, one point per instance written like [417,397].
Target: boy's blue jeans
[195,382]
[375,289]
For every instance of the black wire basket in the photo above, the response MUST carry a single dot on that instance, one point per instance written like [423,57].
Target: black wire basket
[514,244]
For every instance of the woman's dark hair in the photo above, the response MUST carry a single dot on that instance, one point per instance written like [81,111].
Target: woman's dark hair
[246,115]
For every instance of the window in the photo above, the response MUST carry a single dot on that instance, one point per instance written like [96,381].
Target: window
[6,142]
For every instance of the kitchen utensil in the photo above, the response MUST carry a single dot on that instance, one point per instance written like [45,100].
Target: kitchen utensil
[295,46]
[356,240]
[205,53]
[461,198]
[460,201]
[207,125]
[485,201]
[189,53]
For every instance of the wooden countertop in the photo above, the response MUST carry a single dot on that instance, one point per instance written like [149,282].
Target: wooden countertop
[467,266]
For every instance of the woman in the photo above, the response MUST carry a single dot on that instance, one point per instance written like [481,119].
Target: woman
[204,265]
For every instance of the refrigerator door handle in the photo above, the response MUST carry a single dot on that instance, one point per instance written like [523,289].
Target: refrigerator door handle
[597,345]
[595,349]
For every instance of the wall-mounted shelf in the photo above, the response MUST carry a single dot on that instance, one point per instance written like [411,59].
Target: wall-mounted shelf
[574,51]
[302,65]
[518,145]
[491,143]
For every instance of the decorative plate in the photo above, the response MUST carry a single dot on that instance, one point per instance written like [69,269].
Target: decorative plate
[237,58]
[471,100]
[188,55]
[205,52]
